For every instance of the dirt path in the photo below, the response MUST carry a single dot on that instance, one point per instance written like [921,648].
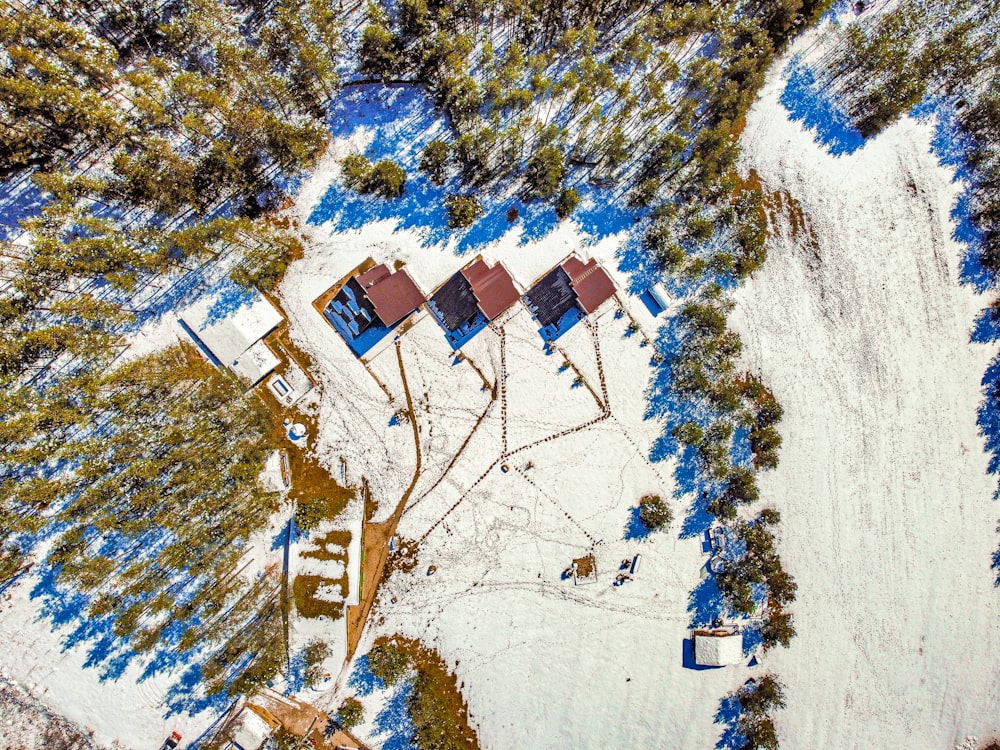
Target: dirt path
[376,536]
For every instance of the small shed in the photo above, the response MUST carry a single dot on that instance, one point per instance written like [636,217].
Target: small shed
[719,647]
[252,728]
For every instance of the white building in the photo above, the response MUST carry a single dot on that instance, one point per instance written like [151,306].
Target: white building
[234,337]
[718,648]
[251,729]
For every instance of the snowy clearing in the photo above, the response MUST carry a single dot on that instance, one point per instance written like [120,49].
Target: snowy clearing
[887,519]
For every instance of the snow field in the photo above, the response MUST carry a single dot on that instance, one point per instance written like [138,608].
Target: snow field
[887,520]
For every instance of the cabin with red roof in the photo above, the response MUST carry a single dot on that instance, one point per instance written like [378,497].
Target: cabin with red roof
[470,299]
[568,293]
[372,303]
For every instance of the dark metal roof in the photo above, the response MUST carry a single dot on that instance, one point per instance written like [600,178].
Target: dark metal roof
[455,302]
[552,297]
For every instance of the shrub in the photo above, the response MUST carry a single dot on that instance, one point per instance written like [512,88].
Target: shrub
[309,512]
[777,629]
[434,161]
[760,696]
[759,734]
[671,255]
[781,586]
[380,53]
[688,433]
[770,517]
[765,443]
[350,713]
[315,653]
[356,170]
[387,179]
[567,203]
[463,210]
[741,486]
[654,512]
[388,662]
[545,172]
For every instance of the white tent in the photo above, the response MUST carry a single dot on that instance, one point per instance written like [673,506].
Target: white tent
[718,648]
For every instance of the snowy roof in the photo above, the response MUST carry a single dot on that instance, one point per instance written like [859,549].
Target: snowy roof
[718,648]
[229,333]
[393,294]
[356,528]
[250,731]
[272,478]
[254,363]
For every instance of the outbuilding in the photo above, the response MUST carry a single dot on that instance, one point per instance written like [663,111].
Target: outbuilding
[719,647]
[230,329]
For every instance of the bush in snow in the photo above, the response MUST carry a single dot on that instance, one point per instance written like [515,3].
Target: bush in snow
[567,203]
[356,170]
[350,713]
[654,512]
[315,654]
[463,210]
[388,662]
[434,161]
[385,178]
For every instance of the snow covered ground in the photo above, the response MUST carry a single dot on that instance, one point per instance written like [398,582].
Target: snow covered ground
[544,663]
[861,330]
[129,710]
[887,519]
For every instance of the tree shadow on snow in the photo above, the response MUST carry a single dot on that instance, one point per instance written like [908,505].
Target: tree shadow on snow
[809,101]
[635,529]
[394,720]
[403,121]
[728,715]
